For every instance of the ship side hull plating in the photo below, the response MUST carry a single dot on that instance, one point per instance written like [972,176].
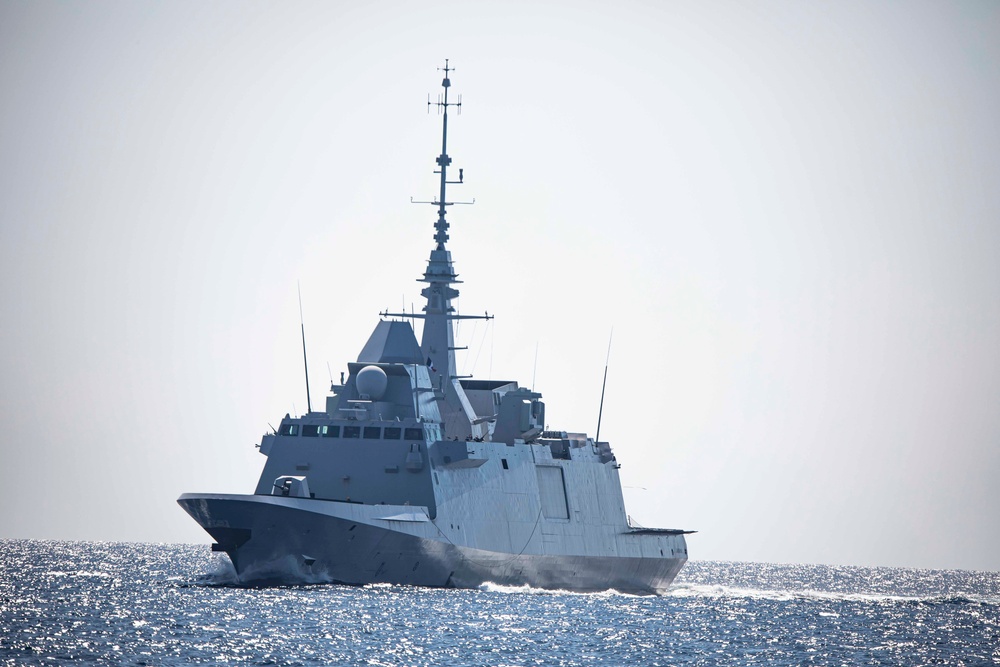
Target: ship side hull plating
[296,540]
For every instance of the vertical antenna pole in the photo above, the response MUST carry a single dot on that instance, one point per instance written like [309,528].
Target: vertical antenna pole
[534,369]
[305,362]
[604,384]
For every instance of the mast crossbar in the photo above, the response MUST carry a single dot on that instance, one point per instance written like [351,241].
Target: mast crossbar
[421,316]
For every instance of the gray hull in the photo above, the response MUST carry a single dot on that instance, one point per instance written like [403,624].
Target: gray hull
[290,540]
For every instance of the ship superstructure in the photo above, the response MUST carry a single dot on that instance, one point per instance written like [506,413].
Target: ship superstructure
[413,474]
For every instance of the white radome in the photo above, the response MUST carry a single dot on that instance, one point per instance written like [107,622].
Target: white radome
[372,382]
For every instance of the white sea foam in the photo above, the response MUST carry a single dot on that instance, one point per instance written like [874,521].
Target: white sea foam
[491,587]
[221,573]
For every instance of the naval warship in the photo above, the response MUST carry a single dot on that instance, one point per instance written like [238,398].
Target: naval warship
[413,474]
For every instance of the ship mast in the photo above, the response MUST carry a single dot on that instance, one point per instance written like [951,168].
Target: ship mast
[438,339]
[438,343]
[443,160]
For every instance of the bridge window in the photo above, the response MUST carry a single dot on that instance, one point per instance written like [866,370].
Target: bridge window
[414,434]
[392,432]
[289,429]
[329,431]
[352,431]
[373,432]
[310,430]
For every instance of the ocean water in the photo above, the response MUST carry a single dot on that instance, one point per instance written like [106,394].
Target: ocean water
[152,604]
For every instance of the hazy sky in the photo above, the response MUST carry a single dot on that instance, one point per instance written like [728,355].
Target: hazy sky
[788,211]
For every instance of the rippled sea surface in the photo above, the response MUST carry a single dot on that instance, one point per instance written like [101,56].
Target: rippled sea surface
[150,604]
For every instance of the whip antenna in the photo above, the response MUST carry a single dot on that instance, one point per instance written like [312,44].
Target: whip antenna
[534,370]
[604,384]
[305,363]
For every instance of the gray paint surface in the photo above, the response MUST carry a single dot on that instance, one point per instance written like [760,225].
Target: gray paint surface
[404,469]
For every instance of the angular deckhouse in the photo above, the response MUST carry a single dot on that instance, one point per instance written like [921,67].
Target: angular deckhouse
[415,475]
